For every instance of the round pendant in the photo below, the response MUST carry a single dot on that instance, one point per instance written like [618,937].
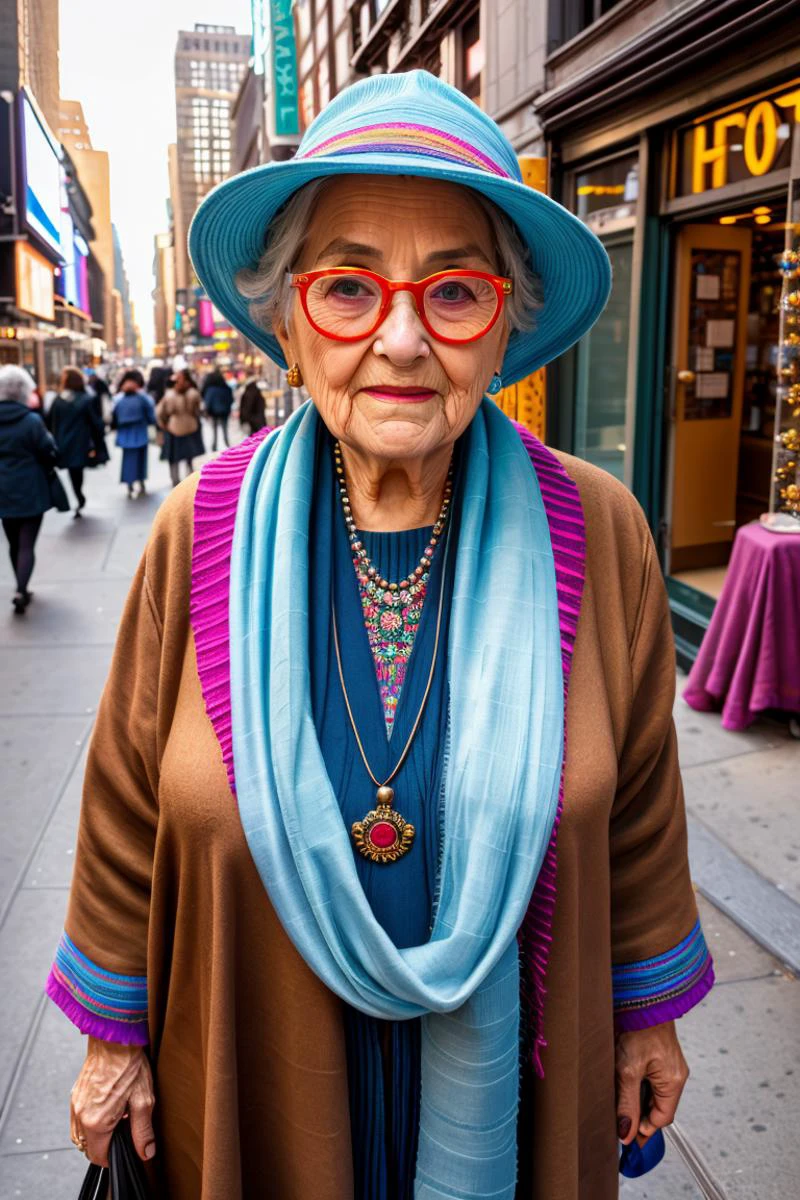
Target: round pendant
[383,835]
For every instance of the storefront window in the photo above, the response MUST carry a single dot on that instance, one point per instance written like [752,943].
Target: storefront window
[602,374]
[605,199]
[605,196]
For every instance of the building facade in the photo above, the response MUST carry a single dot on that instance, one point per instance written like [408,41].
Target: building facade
[248,138]
[94,172]
[670,129]
[29,46]
[210,61]
[31,185]
[164,295]
[126,335]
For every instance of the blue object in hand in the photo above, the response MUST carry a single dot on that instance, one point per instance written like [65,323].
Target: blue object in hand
[636,1160]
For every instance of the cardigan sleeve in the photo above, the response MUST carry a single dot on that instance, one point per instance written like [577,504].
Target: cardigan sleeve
[99,976]
[660,963]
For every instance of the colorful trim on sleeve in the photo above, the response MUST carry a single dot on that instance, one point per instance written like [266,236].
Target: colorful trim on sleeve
[662,988]
[101,1003]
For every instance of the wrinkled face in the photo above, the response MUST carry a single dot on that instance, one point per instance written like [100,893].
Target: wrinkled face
[398,394]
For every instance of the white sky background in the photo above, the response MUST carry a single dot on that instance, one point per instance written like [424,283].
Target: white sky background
[118,60]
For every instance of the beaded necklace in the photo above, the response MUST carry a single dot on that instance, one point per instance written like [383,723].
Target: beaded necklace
[392,611]
[393,595]
[383,835]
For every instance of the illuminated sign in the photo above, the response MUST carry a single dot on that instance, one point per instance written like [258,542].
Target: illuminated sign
[739,142]
[597,189]
[283,109]
[34,282]
[42,195]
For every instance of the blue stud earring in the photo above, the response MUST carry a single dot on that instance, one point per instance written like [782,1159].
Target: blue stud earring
[495,384]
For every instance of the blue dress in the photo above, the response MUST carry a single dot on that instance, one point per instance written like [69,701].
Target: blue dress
[383,1057]
[133,412]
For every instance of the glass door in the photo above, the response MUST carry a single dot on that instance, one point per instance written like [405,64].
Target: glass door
[709,344]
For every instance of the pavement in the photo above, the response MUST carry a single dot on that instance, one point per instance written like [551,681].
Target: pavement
[736,1132]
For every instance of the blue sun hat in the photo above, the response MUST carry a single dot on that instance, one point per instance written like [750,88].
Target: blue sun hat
[408,124]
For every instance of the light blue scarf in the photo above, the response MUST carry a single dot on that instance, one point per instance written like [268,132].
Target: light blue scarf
[500,787]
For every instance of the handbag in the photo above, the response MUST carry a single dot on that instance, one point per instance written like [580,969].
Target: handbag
[58,497]
[125,1172]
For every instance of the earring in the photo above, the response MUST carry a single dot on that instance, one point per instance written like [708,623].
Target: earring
[495,384]
[294,376]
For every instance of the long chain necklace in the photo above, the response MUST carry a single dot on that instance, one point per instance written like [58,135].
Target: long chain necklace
[383,835]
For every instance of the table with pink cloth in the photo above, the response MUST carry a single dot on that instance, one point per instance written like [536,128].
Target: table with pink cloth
[750,656]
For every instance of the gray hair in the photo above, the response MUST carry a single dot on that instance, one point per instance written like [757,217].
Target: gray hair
[267,286]
[15,384]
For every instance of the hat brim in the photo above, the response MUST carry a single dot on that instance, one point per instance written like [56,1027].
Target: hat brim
[230,227]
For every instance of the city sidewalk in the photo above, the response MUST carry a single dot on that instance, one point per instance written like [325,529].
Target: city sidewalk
[737,1121]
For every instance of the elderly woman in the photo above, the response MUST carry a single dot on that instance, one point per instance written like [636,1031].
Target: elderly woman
[381,873]
[27,460]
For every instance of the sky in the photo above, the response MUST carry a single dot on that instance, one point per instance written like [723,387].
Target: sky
[117,59]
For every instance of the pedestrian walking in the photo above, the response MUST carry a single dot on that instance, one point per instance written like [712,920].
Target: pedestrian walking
[159,379]
[78,431]
[217,402]
[97,387]
[178,414]
[252,407]
[133,412]
[373,966]
[27,468]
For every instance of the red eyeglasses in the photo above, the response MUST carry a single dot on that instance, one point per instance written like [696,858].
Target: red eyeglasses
[350,303]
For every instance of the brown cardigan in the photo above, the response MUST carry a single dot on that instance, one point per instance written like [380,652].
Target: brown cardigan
[246,1042]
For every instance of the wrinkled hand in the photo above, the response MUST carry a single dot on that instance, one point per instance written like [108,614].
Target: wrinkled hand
[655,1055]
[114,1080]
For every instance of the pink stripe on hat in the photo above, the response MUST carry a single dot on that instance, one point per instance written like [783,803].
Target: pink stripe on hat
[401,136]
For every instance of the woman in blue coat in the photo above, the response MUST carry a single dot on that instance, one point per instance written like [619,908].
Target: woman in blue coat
[133,412]
[78,430]
[27,456]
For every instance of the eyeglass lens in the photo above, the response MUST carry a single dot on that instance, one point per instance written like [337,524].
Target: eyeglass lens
[455,306]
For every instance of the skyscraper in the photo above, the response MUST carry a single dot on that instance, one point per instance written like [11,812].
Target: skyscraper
[209,63]
[95,176]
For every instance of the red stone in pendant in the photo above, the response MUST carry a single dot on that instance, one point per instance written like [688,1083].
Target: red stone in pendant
[383,835]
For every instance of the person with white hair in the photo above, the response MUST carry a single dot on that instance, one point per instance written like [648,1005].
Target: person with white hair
[28,455]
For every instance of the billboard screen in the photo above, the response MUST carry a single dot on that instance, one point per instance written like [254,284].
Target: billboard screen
[42,197]
[34,282]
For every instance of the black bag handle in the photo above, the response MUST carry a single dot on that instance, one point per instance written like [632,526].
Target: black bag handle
[125,1173]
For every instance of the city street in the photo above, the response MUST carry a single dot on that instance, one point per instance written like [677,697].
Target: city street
[737,1123]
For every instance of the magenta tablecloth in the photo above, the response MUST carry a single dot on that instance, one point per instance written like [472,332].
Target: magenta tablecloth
[750,656]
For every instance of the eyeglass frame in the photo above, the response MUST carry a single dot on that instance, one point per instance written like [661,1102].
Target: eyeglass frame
[503,287]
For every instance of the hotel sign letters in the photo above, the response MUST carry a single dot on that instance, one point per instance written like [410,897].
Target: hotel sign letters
[743,141]
[284,107]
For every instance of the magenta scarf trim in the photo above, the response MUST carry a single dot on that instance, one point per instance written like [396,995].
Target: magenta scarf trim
[215,507]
